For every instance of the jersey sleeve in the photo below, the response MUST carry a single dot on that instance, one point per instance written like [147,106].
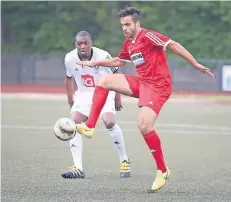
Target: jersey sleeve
[124,54]
[157,40]
[113,69]
[67,65]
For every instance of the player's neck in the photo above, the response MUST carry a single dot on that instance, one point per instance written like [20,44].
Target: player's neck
[87,58]
[137,33]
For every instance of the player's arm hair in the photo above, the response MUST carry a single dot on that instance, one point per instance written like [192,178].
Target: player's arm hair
[113,62]
[180,50]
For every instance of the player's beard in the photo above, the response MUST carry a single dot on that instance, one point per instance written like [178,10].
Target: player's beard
[134,33]
[130,35]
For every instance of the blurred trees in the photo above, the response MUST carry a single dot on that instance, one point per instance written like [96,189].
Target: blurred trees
[49,27]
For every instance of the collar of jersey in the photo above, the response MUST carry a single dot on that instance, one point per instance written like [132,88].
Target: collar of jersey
[134,40]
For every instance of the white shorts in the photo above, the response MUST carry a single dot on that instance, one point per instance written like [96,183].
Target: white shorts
[83,103]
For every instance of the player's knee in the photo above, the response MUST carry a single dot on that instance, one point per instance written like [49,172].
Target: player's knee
[74,118]
[104,81]
[78,117]
[109,123]
[144,128]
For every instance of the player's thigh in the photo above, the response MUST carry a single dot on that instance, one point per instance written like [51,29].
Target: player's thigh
[151,102]
[153,98]
[78,117]
[80,112]
[118,83]
[146,119]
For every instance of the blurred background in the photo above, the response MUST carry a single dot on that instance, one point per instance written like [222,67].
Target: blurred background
[37,35]
[194,125]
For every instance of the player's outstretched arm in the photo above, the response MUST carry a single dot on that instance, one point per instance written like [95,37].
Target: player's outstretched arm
[69,90]
[180,50]
[113,62]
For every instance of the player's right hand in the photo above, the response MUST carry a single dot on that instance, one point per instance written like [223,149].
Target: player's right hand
[70,102]
[86,63]
[204,69]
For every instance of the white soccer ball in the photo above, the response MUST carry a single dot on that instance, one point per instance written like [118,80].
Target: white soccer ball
[64,129]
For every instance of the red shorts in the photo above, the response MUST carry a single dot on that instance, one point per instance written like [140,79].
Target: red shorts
[149,95]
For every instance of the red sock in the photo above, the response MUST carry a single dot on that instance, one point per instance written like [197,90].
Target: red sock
[154,144]
[98,101]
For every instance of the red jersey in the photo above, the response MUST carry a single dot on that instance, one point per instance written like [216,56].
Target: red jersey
[147,52]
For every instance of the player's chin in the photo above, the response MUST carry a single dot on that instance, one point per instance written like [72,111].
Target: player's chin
[83,55]
[128,37]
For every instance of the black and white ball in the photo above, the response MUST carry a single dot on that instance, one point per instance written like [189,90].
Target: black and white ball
[64,129]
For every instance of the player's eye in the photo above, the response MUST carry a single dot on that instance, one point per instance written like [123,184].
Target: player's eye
[127,24]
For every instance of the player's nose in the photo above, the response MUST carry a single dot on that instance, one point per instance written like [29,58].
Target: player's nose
[83,47]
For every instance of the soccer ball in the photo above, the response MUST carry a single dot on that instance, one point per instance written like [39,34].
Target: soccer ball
[65,129]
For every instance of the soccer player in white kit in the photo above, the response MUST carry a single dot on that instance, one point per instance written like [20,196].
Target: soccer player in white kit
[86,79]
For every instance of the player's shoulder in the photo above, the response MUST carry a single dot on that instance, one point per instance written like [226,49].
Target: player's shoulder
[100,53]
[70,54]
[145,31]
[148,33]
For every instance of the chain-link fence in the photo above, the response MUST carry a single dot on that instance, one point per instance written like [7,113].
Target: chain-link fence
[49,69]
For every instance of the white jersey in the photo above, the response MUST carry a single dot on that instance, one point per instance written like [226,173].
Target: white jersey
[86,78]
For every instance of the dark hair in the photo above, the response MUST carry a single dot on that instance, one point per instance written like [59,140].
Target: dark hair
[83,33]
[134,12]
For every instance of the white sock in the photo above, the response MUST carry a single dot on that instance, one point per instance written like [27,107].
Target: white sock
[76,147]
[118,141]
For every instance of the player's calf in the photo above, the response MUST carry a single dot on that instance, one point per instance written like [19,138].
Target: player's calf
[104,81]
[118,141]
[147,118]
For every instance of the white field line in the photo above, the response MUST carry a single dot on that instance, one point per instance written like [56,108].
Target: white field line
[173,125]
[168,126]
[170,131]
[62,97]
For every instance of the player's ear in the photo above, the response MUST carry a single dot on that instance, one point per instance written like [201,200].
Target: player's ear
[138,23]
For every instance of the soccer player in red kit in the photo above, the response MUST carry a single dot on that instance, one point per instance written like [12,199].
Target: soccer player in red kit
[146,49]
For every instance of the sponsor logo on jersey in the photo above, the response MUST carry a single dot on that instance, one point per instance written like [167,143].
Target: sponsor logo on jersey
[137,58]
[88,80]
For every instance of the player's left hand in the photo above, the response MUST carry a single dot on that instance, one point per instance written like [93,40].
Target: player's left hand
[86,63]
[204,69]
[118,102]
[118,107]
